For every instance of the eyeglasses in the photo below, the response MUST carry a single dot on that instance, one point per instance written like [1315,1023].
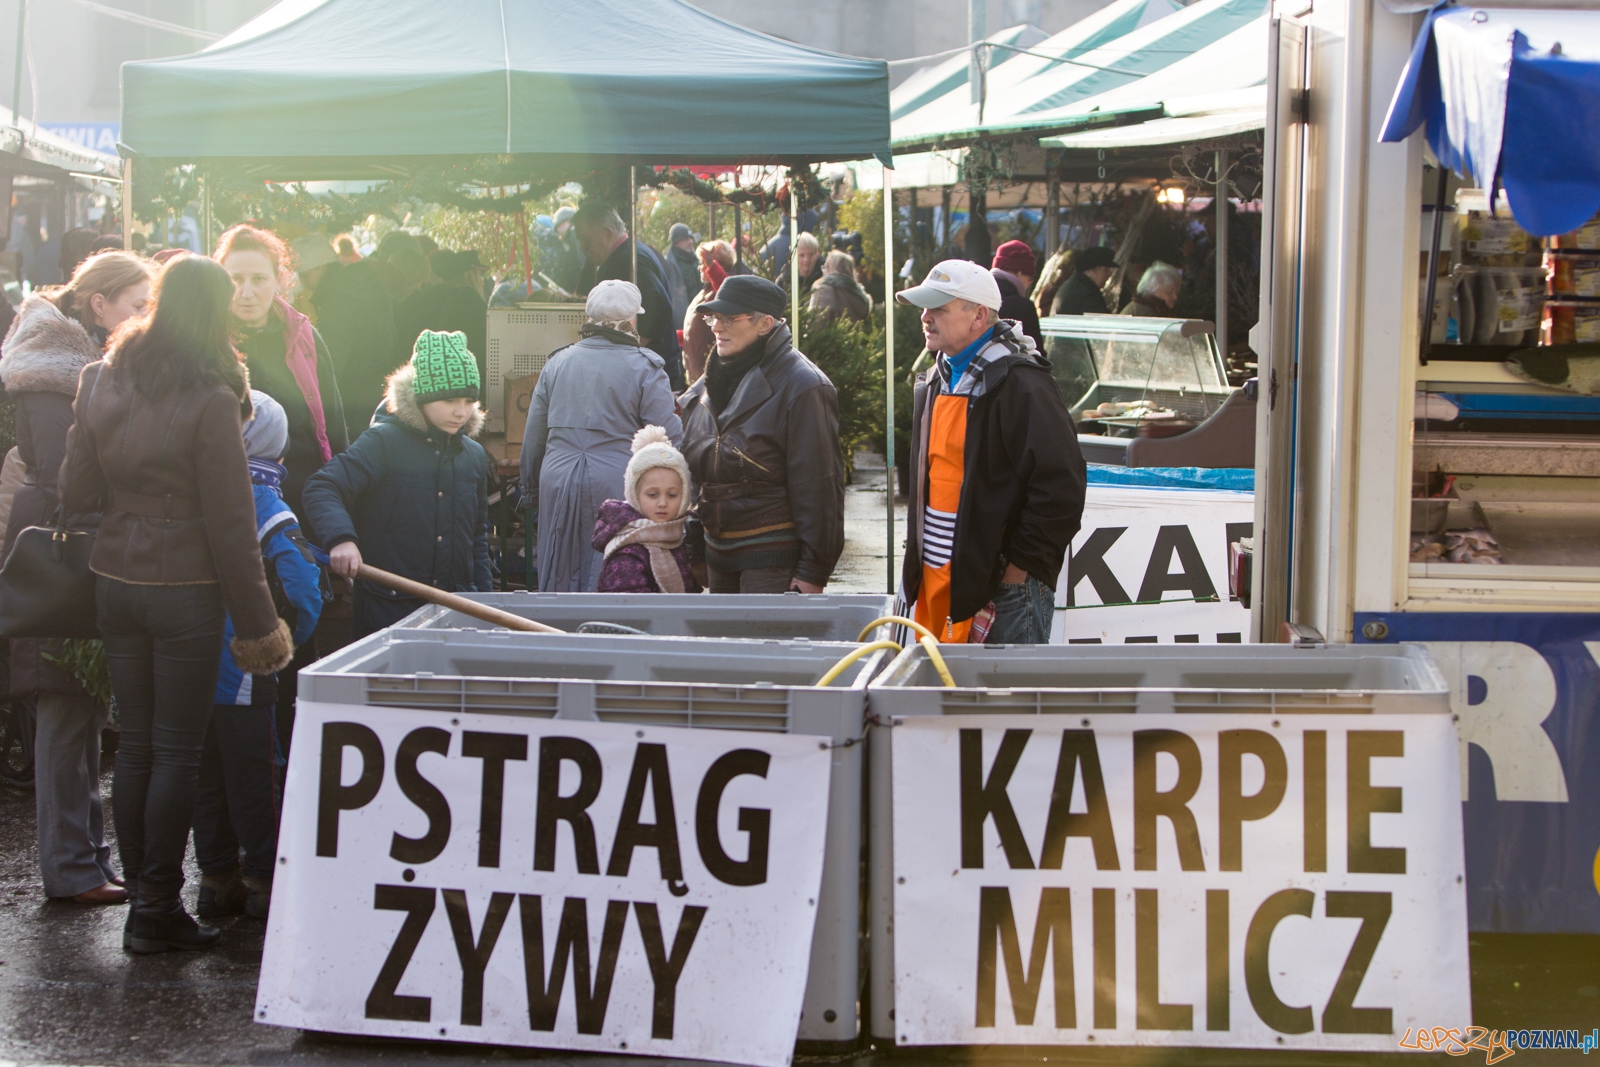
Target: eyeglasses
[712,319]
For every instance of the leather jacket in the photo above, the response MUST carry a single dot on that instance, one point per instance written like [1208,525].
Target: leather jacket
[772,458]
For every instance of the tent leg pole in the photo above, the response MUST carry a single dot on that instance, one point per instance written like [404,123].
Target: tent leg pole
[794,262]
[1222,251]
[1052,206]
[888,371]
[205,216]
[633,219]
[127,204]
[738,236]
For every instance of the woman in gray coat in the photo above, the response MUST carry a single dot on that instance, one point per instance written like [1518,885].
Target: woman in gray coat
[591,398]
[56,334]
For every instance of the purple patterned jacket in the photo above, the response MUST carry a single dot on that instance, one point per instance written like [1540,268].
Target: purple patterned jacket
[628,569]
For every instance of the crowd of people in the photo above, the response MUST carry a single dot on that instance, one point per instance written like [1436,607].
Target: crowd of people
[247,431]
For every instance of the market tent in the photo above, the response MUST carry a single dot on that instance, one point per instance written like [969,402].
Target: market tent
[1512,99]
[1029,106]
[28,150]
[354,88]
[945,85]
[950,75]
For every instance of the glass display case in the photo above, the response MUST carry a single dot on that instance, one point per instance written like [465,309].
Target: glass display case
[1119,373]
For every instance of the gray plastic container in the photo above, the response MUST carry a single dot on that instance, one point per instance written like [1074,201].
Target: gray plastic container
[649,681]
[823,617]
[1074,679]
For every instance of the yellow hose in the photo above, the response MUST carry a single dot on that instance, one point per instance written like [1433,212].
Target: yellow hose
[932,648]
[855,654]
[902,620]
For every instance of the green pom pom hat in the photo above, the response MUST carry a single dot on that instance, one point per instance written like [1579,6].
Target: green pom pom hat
[445,368]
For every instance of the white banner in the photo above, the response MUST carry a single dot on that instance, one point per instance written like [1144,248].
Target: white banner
[1151,565]
[1184,880]
[560,884]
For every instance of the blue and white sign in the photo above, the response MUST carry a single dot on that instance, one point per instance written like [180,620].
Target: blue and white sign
[99,136]
[1526,691]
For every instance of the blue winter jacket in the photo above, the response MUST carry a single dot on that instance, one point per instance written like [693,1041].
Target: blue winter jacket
[414,499]
[284,551]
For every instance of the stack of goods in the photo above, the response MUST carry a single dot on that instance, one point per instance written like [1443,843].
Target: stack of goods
[1572,267]
[1456,546]
[1496,292]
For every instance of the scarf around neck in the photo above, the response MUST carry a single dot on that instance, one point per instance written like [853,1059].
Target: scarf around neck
[659,539]
[268,473]
[724,375]
[300,355]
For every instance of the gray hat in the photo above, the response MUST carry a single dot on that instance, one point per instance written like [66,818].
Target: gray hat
[613,301]
[266,435]
[679,232]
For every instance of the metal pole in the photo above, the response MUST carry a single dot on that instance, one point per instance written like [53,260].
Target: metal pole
[16,75]
[888,369]
[738,236]
[977,30]
[205,216]
[1222,251]
[1052,205]
[633,220]
[794,262]
[127,203]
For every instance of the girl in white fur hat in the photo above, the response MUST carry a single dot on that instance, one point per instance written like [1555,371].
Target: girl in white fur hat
[642,537]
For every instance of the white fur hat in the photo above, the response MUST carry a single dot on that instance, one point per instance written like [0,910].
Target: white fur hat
[652,448]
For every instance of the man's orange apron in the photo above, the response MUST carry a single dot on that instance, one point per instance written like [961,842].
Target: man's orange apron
[947,441]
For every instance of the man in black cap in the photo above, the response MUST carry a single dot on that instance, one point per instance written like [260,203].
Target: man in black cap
[761,434]
[1080,294]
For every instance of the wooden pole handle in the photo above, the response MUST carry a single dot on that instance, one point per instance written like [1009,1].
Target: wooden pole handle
[452,601]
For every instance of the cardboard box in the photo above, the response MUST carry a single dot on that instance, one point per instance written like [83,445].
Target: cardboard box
[519,394]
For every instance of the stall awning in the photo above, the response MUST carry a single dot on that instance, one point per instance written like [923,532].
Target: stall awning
[361,86]
[28,150]
[1511,99]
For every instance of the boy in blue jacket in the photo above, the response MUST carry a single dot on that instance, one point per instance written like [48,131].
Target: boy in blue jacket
[236,803]
[411,494]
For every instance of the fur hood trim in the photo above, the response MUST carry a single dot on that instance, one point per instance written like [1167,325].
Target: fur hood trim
[45,350]
[400,400]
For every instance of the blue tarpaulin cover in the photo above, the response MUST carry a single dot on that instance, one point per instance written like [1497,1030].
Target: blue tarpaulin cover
[1512,100]
[1234,479]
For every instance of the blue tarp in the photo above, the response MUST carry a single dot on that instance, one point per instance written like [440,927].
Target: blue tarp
[1510,99]
[1234,479]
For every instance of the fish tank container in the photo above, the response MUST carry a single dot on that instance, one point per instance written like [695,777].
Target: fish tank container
[1169,364]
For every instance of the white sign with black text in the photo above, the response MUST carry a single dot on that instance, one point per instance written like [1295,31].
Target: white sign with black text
[1182,880]
[1151,565]
[561,884]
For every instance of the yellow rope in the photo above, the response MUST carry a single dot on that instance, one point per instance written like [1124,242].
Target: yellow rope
[902,620]
[932,648]
[855,654]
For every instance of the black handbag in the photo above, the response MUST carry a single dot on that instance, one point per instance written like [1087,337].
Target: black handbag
[46,586]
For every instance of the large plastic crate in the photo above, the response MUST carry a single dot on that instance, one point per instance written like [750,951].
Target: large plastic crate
[1075,679]
[780,616]
[649,681]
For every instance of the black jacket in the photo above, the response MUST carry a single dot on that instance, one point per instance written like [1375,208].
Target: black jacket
[264,358]
[413,499]
[1022,488]
[1079,296]
[655,296]
[1016,306]
[356,318]
[772,456]
[444,308]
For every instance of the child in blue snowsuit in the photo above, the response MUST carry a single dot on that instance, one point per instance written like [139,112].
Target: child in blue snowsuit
[236,802]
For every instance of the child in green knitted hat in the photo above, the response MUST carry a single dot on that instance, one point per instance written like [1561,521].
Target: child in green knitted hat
[410,495]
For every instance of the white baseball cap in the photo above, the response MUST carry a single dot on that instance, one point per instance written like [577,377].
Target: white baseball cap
[954,279]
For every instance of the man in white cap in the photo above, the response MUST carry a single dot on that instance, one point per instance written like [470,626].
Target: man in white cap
[592,397]
[997,480]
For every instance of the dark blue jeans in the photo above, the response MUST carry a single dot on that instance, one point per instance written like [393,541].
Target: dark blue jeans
[1022,613]
[163,644]
[237,802]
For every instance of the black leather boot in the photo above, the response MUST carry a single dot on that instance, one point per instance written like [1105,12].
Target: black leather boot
[221,895]
[159,922]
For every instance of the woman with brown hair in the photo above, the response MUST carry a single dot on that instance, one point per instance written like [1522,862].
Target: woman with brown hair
[157,449]
[287,358]
[57,334]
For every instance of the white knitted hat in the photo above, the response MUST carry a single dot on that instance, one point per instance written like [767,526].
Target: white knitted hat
[652,448]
